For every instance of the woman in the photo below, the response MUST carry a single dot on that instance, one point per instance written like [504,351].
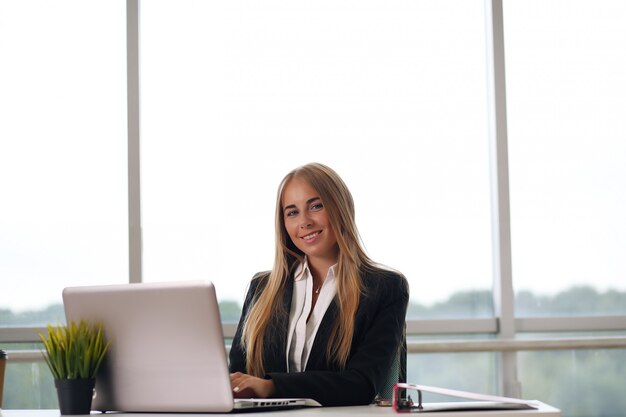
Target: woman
[326,321]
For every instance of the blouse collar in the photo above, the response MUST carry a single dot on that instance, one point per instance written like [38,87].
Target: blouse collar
[303,271]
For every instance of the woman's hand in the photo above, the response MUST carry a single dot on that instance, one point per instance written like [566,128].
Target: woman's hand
[246,386]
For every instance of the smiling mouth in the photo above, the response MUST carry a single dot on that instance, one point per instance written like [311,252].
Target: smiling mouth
[310,235]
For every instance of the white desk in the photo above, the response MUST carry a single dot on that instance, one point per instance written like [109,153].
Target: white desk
[366,410]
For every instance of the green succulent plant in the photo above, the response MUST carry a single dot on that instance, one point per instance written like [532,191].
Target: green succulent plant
[74,351]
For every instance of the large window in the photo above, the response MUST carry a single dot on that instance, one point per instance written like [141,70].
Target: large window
[475,371]
[390,93]
[236,94]
[63,216]
[566,95]
[583,383]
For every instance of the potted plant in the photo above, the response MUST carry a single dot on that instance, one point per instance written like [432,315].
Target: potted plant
[74,354]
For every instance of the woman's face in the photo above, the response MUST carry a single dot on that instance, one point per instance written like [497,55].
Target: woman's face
[307,223]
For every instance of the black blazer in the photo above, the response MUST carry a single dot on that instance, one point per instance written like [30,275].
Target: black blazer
[378,332]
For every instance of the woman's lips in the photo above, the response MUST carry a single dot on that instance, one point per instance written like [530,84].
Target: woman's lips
[311,236]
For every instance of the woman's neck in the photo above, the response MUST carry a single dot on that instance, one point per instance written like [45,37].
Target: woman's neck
[319,268]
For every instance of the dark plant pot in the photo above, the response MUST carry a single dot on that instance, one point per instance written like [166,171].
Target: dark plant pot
[75,395]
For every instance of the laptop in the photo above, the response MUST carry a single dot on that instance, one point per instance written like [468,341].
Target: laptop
[166,351]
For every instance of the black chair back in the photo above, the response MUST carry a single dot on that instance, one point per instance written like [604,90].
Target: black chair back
[397,373]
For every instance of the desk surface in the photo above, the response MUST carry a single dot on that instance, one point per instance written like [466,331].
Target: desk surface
[366,410]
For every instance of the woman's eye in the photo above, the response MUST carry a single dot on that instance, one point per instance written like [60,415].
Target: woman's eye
[316,207]
[291,213]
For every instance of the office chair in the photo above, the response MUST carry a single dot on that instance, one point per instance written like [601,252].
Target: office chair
[396,374]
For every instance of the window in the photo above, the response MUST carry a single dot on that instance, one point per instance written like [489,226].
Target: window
[63,217]
[566,92]
[31,385]
[581,382]
[392,94]
[236,94]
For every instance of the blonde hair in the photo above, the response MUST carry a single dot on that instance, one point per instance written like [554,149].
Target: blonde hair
[352,261]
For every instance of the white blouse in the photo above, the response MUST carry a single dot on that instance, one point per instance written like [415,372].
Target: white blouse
[301,333]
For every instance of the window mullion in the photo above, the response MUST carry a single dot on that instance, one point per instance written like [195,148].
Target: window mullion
[134,189]
[501,224]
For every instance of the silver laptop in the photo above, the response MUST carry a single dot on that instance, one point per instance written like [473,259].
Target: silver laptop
[166,350]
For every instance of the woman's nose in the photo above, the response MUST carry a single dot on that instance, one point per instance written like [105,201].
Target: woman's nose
[305,222]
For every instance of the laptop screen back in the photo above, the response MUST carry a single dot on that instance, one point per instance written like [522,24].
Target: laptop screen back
[166,350]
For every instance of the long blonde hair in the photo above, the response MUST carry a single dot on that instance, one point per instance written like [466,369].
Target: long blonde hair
[352,261]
